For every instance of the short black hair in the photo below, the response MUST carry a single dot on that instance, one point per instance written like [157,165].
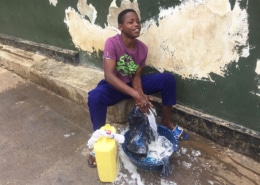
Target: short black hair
[120,18]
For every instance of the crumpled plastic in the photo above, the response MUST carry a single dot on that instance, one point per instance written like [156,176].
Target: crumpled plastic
[103,133]
[140,134]
[166,170]
[142,131]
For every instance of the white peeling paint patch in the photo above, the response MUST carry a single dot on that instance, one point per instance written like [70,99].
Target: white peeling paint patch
[114,10]
[257,94]
[87,10]
[220,7]
[85,35]
[193,39]
[53,2]
[197,38]
[257,69]
[90,37]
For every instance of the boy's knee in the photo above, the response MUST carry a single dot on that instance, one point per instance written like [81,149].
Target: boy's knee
[93,96]
[170,78]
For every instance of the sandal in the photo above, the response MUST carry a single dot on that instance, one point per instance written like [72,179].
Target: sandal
[180,134]
[92,160]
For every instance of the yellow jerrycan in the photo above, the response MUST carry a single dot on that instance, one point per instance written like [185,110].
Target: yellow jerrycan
[107,156]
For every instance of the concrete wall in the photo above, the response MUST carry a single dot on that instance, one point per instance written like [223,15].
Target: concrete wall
[211,46]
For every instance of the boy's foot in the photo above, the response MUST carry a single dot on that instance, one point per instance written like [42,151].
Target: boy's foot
[92,161]
[178,132]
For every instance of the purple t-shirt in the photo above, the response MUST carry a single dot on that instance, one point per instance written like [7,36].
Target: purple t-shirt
[127,61]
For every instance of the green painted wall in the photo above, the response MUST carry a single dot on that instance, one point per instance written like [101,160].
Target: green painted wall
[232,97]
[36,20]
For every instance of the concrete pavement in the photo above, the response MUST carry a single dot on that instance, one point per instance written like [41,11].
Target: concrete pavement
[43,136]
[48,67]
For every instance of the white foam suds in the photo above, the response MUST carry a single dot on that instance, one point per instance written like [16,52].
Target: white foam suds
[133,177]
[186,164]
[166,182]
[160,148]
[69,134]
[132,169]
[183,150]
[196,153]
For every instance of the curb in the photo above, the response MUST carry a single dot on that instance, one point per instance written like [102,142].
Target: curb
[64,55]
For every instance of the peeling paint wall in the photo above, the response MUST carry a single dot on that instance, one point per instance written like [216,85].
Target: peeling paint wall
[197,40]
[179,41]
[186,50]
[211,46]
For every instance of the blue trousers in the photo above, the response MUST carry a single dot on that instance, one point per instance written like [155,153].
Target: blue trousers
[105,95]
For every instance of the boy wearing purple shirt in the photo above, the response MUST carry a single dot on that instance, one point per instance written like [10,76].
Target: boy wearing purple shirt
[127,61]
[123,60]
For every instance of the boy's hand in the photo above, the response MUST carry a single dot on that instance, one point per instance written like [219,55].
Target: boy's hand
[143,103]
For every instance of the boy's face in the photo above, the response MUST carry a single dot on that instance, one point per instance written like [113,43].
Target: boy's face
[131,26]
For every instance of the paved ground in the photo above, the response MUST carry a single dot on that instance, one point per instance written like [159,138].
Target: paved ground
[43,136]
